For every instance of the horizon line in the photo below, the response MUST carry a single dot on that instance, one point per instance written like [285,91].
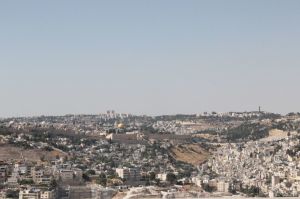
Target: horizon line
[134,114]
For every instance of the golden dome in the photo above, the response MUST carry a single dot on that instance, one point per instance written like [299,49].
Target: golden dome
[121,125]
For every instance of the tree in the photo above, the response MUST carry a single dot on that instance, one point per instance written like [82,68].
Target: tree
[232,189]
[12,194]
[157,181]
[152,176]
[53,184]
[48,148]
[252,191]
[42,158]
[147,183]
[288,184]
[91,172]
[208,188]
[102,180]
[26,182]
[171,177]
[65,159]
[85,177]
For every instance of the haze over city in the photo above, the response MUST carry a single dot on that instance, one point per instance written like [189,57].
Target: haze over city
[129,99]
[148,57]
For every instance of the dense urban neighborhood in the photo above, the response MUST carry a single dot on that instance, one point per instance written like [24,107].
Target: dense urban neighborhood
[112,155]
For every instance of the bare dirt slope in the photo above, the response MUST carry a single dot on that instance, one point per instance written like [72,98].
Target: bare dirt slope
[275,134]
[190,153]
[8,152]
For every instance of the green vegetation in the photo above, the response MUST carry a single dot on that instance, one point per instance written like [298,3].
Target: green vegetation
[102,180]
[86,177]
[26,182]
[252,191]
[12,194]
[292,152]
[152,176]
[171,178]
[247,131]
[208,188]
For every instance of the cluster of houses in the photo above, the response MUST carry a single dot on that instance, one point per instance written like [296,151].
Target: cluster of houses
[97,156]
[271,165]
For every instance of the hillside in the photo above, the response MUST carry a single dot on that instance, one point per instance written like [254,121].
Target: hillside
[8,152]
[190,153]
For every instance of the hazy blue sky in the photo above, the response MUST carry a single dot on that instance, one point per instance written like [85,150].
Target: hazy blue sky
[152,57]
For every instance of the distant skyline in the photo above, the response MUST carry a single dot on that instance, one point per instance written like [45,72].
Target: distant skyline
[148,57]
